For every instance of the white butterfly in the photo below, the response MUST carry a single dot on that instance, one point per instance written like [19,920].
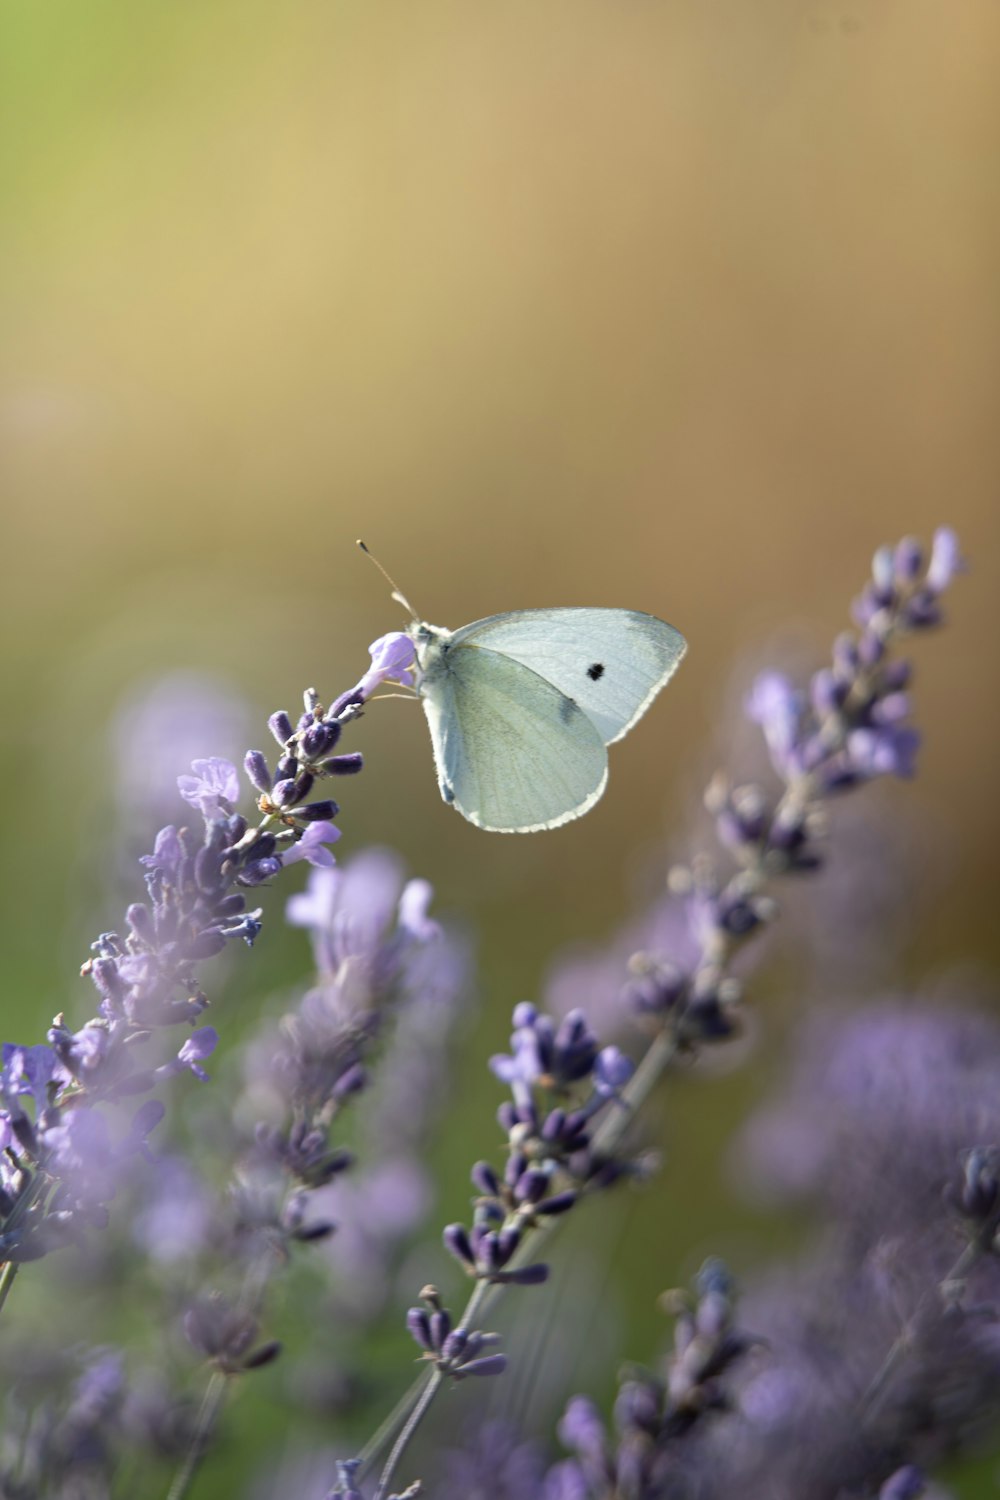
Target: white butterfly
[522,707]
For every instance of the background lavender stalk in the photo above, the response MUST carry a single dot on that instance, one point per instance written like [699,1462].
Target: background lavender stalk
[851,727]
[58,1168]
[380,958]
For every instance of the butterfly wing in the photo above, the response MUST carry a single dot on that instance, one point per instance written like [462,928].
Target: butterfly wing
[513,753]
[610,662]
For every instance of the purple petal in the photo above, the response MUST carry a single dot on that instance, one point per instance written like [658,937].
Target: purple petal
[392,656]
[413,904]
[946,560]
[312,848]
[213,789]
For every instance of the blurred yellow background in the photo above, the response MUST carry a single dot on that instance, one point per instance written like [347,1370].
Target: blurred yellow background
[679,306]
[683,307]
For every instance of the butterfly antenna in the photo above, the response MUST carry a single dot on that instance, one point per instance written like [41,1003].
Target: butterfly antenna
[399,597]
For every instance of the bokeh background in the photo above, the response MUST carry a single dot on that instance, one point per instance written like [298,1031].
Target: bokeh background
[678,306]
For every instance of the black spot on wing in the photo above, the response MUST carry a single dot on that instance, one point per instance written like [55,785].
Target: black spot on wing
[596,671]
[567,708]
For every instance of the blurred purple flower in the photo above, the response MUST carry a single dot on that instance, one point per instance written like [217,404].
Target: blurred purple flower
[946,561]
[165,724]
[778,708]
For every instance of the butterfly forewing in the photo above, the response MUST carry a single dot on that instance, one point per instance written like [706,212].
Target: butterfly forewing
[513,752]
[610,662]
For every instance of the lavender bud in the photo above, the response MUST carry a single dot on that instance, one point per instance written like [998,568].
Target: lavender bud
[318,812]
[24,1132]
[208,869]
[303,785]
[440,1327]
[891,709]
[280,726]
[311,1234]
[265,1355]
[104,973]
[559,1203]
[530,1186]
[490,1364]
[871,649]
[457,1243]
[908,559]
[319,739]
[232,905]
[352,1081]
[827,693]
[946,560]
[256,768]
[978,1196]
[883,571]
[845,657]
[485,1179]
[205,945]
[907,1483]
[419,1326]
[140,919]
[896,676]
[284,792]
[350,699]
[527,1276]
[344,765]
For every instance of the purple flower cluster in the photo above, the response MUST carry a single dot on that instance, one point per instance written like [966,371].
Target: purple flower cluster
[380,955]
[74,1412]
[654,1413]
[59,1161]
[561,1081]
[881,1344]
[851,724]
[452,1351]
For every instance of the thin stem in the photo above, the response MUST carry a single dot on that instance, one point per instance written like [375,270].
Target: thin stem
[391,1424]
[255,1283]
[211,1404]
[403,1441]
[7,1280]
[654,1062]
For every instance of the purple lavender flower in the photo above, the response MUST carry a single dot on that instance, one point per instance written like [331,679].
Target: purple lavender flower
[214,789]
[494,1461]
[454,1352]
[393,659]
[311,847]
[199,1045]
[146,980]
[165,724]
[655,1415]
[879,1126]
[225,1335]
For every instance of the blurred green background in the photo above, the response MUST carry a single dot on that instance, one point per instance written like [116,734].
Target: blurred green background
[678,306]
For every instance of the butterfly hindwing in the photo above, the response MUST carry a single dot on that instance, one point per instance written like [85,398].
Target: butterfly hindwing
[513,753]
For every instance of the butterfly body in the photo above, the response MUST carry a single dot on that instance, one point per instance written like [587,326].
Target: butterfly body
[522,706]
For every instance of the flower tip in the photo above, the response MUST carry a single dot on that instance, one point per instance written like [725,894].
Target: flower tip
[946,560]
